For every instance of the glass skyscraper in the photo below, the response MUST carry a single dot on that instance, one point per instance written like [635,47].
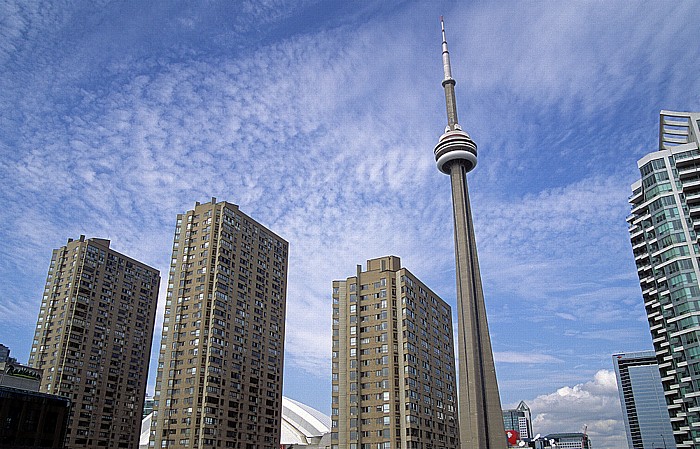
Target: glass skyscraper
[642,398]
[663,227]
[519,419]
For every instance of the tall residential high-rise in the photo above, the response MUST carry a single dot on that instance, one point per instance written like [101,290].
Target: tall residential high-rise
[480,415]
[219,380]
[93,340]
[663,227]
[642,398]
[393,362]
[519,419]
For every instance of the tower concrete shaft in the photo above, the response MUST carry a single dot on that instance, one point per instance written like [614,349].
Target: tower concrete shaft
[480,416]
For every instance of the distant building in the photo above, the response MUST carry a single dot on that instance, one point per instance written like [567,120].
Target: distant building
[393,362]
[519,420]
[146,422]
[663,226]
[219,381]
[29,419]
[93,340]
[147,406]
[4,353]
[643,403]
[562,441]
[146,430]
[16,375]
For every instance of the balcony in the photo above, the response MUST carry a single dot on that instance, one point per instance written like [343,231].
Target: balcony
[636,196]
[685,159]
[688,170]
[635,232]
[690,185]
[640,256]
[638,245]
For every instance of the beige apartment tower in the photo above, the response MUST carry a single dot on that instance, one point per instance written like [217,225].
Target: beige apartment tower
[219,382]
[393,362]
[93,340]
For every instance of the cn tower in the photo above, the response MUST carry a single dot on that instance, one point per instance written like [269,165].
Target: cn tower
[480,416]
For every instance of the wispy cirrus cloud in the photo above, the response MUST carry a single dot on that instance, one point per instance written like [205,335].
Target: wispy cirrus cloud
[517,357]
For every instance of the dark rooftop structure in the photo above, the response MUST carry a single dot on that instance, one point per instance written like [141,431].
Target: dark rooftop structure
[30,419]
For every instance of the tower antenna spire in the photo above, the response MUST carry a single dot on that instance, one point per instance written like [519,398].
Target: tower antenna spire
[449,84]
[445,53]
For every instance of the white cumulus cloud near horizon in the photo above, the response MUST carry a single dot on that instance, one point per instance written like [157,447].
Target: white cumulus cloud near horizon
[593,406]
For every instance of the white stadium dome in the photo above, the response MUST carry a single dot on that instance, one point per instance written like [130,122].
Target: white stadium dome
[301,424]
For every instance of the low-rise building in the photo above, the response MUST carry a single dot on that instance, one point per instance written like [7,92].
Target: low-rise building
[32,419]
[16,375]
[562,441]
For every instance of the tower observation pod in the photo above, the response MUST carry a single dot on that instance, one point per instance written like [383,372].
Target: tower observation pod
[480,416]
[454,144]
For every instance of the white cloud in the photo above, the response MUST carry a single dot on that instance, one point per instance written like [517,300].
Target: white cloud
[566,316]
[594,404]
[517,357]
[549,250]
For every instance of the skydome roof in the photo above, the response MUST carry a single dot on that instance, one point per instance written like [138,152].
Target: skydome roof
[301,422]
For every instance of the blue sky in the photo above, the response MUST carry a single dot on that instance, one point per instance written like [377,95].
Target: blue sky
[319,120]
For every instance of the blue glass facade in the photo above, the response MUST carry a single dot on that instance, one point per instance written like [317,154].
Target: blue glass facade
[642,398]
